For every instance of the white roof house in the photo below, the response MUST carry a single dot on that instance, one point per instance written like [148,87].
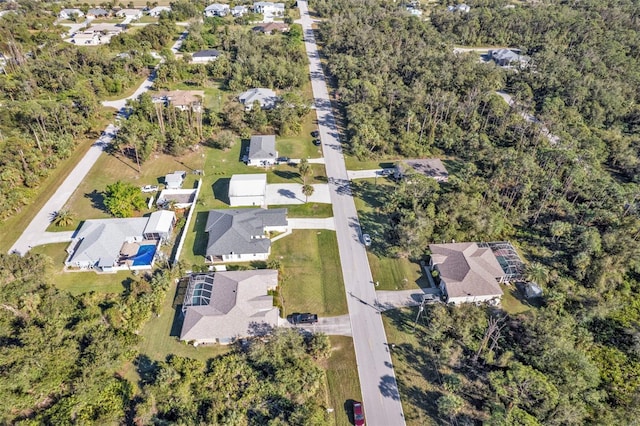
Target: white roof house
[267,98]
[216,9]
[70,13]
[467,273]
[262,151]
[269,10]
[156,11]
[131,14]
[87,38]
[508,57]
[160,225]
[239,11]
[464,8]
[413,11]
[174,180]
[248,190]
[227,305]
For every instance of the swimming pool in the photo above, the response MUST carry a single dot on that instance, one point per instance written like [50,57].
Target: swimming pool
[145,255]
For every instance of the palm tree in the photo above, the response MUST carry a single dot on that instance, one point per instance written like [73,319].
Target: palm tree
[538,273]
[305,170]
[63,218]
[307,190]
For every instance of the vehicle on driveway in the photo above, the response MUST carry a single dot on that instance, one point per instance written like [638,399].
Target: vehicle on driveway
[366,239]
[430,298]
[305,318]
[315,134]
[358,414]
[282,160]
[317,142]
[150,188]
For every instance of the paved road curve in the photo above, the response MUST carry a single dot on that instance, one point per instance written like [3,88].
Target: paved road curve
[377,379]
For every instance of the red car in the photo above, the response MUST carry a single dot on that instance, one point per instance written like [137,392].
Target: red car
[358,414]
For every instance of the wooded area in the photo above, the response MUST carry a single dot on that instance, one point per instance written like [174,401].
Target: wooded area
[571,204]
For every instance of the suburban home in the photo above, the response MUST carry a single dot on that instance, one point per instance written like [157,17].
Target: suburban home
[105,29]
[87,38]
[248,190]
[467,273]
[508,57]
[204,56]
[216,9]
[270,27]
[269,10]
[414,11]
[110,245]
[97,13]
[265,97]
[70,13]
[241,235]
[174,180]
[156,11]
[463,8]
[184,100]
[431,167]
[262,151]
[129,14]
[176,198]
[228,305]
[239,11]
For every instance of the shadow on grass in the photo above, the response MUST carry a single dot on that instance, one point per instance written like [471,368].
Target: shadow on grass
[221,190]
[285,174]
[244,149]
[97,200]
[200,243]
[146,368]
[321,179]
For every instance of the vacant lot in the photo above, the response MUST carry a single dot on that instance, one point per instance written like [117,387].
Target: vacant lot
[343,381]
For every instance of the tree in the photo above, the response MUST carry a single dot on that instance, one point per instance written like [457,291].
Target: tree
[307,190]
[449,405]
[305,170]
[537,273]
[121,199]
[63,218]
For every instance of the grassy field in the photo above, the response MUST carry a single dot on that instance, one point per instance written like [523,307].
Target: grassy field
[396,273]
[301,146]
[312,279]
[11,228]
[318,210]
[343,381]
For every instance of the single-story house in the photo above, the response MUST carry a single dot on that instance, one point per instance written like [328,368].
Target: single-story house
[184,100]
[70,13]
[262,151]
[414,11]
[430,167]
[132,14]
[97,13]
[106,29]
[216,9]
[265,97]
[239,11]
[204,56]
[174,180]
[467,273]
[269,10]
[176,198]
[508,57]
[110,245]
[87,38]
[241,235]
[270,27]
[226,305]
[156,11]
[464,8]
[248,190]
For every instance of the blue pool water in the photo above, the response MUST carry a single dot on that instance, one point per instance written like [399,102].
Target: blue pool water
[145,255]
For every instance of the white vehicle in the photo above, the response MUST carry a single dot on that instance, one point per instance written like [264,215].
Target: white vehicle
[150,188]
[366,239]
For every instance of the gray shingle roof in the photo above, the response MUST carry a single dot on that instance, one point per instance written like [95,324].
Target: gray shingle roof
[266,97]
[262,146]
[241,231]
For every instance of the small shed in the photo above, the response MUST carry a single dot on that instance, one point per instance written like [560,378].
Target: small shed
[160,225]
[248,190]
[174,180]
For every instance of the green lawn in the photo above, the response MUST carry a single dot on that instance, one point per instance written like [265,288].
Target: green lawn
[312,279]
[353,163]
[343,381]
[512,301]
[301,146]
[319,210]
[396,274]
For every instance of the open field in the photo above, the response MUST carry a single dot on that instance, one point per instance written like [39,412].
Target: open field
[343,381]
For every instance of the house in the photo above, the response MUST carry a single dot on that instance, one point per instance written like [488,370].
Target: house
[508,57]
[431,167]
[86,38]
[106,29]
[174,180]
[269,10]
[239,11]
[467,273]
[414,11]
[70,13]
[97,13]
[204,56]
[216,9]
[129,14]
[227,305]
[110,245]
[241,235]
[248,190]
[265,97]
[184,100]
[262,151]
[463,8]
[156,11]
[176,198]
[270,27]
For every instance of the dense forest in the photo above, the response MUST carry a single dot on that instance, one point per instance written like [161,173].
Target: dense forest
[571,203]
[60,355]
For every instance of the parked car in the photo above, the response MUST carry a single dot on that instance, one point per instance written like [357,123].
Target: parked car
[305,318]
[315,134]
[358,414]
[366,239]
[283,159]
[317,142]
[150,188]
[430,298]
[386,172]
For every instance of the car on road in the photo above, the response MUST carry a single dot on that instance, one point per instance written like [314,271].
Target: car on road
[150,188]
[315,134]
[317,142]
[358,414]
[366,239]
[305,318]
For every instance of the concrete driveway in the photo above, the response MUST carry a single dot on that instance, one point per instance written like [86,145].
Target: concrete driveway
[312,223]
[365,174]
[332,326]
[402,298]
[291,193]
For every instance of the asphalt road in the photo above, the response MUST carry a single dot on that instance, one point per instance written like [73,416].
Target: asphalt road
[377,378]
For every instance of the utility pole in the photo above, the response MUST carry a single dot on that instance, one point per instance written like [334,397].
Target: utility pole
[420,310]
